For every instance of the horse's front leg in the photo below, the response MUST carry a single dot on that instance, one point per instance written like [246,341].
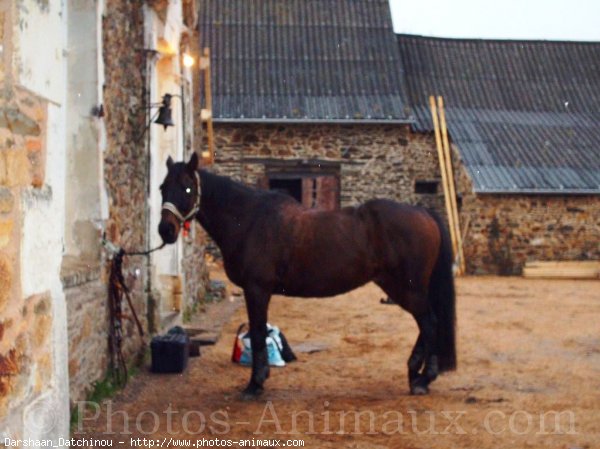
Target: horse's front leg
[257,303]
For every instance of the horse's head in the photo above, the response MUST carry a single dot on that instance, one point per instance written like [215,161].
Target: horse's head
[180,197]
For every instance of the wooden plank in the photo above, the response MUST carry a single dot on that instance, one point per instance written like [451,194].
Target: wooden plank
[208,97]
[205,115]
[328,192]
[561,275]
[450,175]
[211,141]
[204,63]
[465,231]
[563,263]
[560,269]
[438,144]
[563,269]
[308,191]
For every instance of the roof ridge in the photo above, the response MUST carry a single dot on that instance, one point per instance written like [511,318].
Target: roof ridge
[493,40]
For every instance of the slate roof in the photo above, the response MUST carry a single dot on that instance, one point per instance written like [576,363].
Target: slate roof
[524,115]
[303,60]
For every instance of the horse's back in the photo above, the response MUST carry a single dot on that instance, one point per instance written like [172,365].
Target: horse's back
[397,218]
[407,237]
[321,253]
[312,252]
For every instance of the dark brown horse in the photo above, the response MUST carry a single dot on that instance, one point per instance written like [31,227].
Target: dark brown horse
[271,244]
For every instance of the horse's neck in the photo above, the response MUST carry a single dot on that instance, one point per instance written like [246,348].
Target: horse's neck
[223,204]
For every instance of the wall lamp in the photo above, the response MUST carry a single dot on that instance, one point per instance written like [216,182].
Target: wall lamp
[165,113]
[163,117]
[188,60]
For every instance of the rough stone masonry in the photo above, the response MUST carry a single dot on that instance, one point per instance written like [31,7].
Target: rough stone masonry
[501,232]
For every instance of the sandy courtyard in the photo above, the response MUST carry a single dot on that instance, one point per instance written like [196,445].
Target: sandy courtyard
[528,376]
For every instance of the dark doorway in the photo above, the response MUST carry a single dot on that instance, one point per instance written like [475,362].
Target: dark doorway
[291,187]
[314,184]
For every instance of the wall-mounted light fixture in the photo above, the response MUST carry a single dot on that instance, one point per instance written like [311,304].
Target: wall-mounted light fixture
[188,60]
[165,112]
[163,117]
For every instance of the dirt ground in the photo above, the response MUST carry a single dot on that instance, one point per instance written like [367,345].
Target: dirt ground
[529,352]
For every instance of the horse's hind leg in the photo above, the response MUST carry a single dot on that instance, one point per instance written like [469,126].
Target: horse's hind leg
[415,362]
[257,303]
[424,351]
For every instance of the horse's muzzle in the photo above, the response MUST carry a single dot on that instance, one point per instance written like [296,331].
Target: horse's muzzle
[168,231]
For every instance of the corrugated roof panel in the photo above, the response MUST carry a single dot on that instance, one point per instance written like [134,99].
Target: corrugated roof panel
[326,49]
[524,115]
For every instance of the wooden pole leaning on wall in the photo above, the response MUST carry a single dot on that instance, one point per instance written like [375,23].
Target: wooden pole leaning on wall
[439,147]
[450,176]
[440,151]
[206,114]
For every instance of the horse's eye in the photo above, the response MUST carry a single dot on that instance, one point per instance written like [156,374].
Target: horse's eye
[188,190]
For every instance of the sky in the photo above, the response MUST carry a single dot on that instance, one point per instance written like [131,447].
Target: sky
[499,19]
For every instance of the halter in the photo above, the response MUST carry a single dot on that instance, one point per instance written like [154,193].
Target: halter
[175,211]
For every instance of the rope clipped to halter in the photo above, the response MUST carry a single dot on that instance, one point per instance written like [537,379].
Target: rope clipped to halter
[117,289]
[184,220]
[143,253]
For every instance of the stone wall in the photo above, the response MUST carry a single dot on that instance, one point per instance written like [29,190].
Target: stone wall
[195,270]
[505,231]
[126,159]
[39,314]
[375,161]
[126,176]
[88,331]
[125,171]
[33,380]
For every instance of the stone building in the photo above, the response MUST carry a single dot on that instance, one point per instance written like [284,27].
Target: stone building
[139,60]
[80,158]
[33,353]
[310,101]
[320,103]
[525,123]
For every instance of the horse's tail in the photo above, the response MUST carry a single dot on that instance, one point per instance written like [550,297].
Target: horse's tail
[443,300]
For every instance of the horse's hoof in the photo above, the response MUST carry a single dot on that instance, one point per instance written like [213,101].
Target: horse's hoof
[252,391]
[419,386]
[419,390]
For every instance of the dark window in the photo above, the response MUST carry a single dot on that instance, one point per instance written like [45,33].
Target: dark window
[291,187]
[426,187]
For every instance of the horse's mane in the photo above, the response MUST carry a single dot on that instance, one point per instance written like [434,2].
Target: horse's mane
[223,190]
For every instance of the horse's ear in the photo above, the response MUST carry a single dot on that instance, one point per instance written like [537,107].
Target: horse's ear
[170,162]
[192,165]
